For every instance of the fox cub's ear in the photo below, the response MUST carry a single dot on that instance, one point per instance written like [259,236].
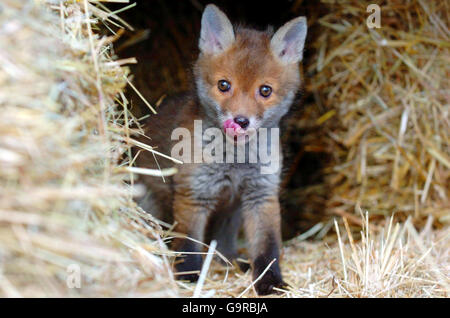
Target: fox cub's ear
[217,32]
[288,42]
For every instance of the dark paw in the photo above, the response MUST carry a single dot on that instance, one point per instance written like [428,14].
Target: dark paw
[271,279]
[265,286]
[188,264]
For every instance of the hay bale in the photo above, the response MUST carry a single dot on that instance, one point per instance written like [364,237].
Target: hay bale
[384,100]
[64,201]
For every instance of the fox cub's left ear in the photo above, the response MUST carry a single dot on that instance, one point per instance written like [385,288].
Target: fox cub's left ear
[217,33]
[288,42]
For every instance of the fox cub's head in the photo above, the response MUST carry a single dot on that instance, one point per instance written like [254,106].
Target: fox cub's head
[247,78]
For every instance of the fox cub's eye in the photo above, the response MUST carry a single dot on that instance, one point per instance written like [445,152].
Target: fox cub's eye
[265,90]
[224,85]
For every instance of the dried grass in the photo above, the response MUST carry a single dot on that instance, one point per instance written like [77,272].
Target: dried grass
[397,261]
[384,97]
[63,196]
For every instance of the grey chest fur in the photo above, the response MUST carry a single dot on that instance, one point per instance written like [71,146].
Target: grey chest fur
[232,181]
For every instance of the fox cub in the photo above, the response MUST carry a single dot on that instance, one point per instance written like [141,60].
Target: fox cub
[245,80]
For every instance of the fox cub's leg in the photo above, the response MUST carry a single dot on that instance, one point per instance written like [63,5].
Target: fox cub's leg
[191,218]
[262,226]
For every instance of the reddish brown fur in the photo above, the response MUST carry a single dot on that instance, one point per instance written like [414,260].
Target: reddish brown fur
[267,221]
[247,64]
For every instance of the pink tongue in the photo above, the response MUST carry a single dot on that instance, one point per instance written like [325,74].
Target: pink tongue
[232,128]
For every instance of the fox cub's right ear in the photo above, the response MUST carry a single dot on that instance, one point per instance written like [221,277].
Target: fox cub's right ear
[288,42]
[217,33]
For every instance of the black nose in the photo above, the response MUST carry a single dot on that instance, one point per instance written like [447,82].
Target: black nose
[242,121]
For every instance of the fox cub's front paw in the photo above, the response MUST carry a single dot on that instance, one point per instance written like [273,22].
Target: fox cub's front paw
[187,264]
[266,284]
[272,278]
